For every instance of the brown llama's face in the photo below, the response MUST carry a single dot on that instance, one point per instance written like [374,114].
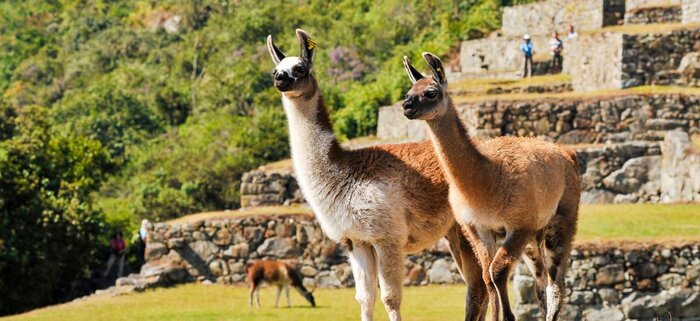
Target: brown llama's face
[425,100]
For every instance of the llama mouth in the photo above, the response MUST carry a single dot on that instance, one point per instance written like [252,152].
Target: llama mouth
[410,113]
[283,85]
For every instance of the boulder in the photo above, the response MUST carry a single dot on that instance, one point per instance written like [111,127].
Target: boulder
[279,247]
[603,314]
[610,275]
[597,196]
[155,250]
[440,272]
[308,271]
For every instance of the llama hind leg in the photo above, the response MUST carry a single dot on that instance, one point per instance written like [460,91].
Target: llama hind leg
[277,297]
[364,270]
[534,260]
[390,265]
[558,243]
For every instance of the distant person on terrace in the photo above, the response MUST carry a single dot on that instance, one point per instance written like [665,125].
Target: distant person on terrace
[117,247]
[572,33]
[557,47]
[527,49]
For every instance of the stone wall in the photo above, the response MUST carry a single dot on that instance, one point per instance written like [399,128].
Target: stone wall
[691,11]
[656,14]
[595,61]
[653,59]
[680,169]
[636,4]
[497,54]
[542,18]
[568,121]
[616,60]
[625,283]
[269,187]
[218,250]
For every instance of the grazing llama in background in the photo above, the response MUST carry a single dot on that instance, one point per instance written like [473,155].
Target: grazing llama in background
[381,202]
[523,188]
[275,273]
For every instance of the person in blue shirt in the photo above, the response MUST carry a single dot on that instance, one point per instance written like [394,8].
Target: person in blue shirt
[527,50]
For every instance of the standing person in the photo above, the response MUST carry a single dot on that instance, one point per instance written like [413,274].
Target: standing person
[143,237]
[556,46]
[572,33]
[117,247]
[527,50]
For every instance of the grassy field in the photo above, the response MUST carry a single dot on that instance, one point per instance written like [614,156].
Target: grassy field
[639,222]
[219,303]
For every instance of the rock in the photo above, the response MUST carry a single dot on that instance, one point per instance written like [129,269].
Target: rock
[604,314]
[610,275]
[440,272]
[690,307]
[524,286]
[527,312]
[647,270]
[585,298]
[308,271]
[693,274]
[236,267]
[222,237]
[625,199]
[670,281]
[597,196]
[176,243]
[203,250]
[618,182]
[279,247]
[326,279]
[155,250]
[238,251]
[218,268]
[609,296]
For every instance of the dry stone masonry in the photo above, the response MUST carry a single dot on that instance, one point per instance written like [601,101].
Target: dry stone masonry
[660,14]
[624,283]
[218,250]
[555,15]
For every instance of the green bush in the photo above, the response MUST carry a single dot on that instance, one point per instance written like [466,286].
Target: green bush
[48,226]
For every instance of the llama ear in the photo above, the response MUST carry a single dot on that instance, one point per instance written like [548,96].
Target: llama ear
[275,52]
[413,74]
[308,46]
[437,68]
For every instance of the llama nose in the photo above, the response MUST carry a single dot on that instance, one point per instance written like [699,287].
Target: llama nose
[407,104]
[281,76]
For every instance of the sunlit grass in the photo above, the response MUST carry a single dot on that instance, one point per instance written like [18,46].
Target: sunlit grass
[639,222]
[227,303]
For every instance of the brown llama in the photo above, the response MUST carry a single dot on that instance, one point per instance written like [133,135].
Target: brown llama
[275,273]
[524,189]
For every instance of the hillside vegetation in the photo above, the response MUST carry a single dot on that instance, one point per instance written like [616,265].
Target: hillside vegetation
[113,111]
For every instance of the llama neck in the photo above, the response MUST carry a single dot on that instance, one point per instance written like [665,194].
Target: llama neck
[464,165]
[313,142]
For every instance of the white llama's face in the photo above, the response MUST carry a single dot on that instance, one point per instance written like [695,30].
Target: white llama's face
[291,74]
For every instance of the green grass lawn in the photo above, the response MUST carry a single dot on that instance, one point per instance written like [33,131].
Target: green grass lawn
[218,302]
[639,222]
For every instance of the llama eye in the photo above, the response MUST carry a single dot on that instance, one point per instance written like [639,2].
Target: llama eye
[299,69]
[431,94]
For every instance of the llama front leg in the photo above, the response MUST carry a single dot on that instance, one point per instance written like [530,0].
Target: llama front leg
[484,246]
[502,262]
[533,258]
[277,297]
[391,272]
[286,293]
[470,270]
[364,270]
